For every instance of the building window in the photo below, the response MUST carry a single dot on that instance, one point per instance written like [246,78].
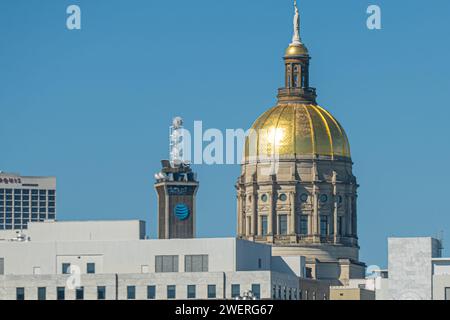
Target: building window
[259,263]
[166,263]
[2,266]
[235,290]
[256,290]
[324,225]
[90,268]
[279,292]
[211,291]
[151,292]
[283,224]
[340,226]
[66,268]
[274,292]
[101,293]
[290,294]
[60,293]
[264,225]
[191,291]
[196,263]
[131,292]
[447,293]
[171,292]
[304,224]
[42,293]
[20,293]
[79,293]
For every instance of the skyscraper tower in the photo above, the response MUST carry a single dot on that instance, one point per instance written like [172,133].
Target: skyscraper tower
[176,187]
[296,190]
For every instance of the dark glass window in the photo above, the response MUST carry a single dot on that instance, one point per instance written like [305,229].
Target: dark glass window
[20,293]
[324,225]
[42,192]
[340,226]
[42,198]
[8,191]
[264,225]
[26,191]
[79,293]
[171,292]
[17,197]
[65,268]
[283,224]
[2,191]
[131,292]
[191,291]
[42,293]
[90,268]
[51,210]
[34,192]
[51,192]
[304,224]
[256,290]
[151,292]
[60,293]
[51,204]
[235,290]
[211,291]
[101,293]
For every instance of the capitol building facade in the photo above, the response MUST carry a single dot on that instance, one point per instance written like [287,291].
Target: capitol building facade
[297,191]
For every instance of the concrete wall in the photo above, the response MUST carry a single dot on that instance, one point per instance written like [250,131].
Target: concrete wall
[410,268]
[86,230]
[118,286]
[441,283]
[351,294]
[127,256]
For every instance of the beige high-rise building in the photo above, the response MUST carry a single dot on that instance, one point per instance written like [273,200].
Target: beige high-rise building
[296,190]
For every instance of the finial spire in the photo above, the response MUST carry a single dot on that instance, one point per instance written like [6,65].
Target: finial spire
[296,40]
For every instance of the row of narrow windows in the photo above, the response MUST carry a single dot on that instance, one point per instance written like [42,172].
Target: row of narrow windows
[303,225]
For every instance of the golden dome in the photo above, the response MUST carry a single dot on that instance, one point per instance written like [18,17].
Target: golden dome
[296,50]
[296,129]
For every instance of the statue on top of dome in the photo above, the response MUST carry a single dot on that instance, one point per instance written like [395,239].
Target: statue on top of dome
[296,38]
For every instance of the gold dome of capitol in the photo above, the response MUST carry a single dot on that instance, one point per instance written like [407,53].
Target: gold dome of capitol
[297,129]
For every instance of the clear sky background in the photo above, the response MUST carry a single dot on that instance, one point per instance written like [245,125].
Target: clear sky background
[92,107]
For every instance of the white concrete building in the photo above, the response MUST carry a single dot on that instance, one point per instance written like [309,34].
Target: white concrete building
[113,260]
[416,272]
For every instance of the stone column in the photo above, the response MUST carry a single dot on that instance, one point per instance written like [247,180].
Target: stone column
[239,214]
[292,219]
[270,217]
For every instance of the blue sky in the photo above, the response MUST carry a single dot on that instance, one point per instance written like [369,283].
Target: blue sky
[92,107]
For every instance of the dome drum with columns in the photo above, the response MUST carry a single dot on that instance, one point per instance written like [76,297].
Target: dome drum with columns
[297,190]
